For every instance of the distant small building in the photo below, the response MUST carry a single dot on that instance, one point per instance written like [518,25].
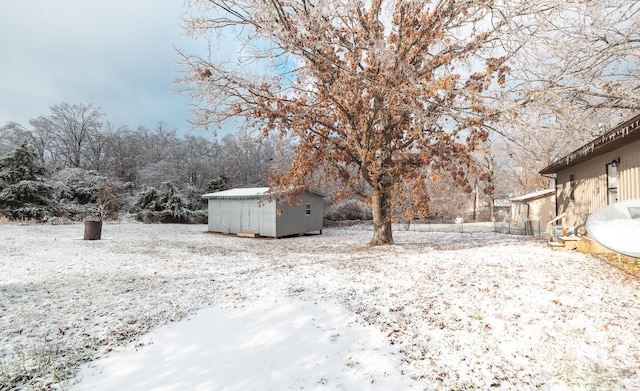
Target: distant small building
[601,172]
[254,211]
[539,206]
[501,209]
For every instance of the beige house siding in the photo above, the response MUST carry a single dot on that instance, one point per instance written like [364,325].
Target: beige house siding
[538,208]
[542,210]
[629,178]
[519,211]
[590,178]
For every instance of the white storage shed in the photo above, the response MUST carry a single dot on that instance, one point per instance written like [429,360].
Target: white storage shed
[248,211]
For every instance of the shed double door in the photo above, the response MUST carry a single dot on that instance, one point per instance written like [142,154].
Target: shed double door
[250,217]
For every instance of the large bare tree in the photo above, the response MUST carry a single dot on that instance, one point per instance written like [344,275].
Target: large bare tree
[69,129]
[375,91]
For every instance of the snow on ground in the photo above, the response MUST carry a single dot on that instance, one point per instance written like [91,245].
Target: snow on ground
[435,311]
[292,345]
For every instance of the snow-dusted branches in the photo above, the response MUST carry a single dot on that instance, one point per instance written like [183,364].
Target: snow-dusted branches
[581,60]
[385,87]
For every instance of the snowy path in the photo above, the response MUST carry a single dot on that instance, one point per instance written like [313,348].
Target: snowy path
[446,310]
[274,346]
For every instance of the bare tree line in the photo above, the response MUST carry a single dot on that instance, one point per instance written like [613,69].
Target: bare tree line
[78,136]
[72,164]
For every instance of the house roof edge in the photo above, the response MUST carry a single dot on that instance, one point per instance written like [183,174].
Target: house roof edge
[601,144]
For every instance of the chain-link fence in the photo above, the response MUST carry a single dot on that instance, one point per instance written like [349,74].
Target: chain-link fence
[530,227]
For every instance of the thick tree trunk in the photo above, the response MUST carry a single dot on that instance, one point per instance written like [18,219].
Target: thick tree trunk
[380,208]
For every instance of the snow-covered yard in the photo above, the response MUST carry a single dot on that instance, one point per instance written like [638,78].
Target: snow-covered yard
[435,311]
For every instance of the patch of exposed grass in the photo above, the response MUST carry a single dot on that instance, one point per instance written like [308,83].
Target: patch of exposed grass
[627,264]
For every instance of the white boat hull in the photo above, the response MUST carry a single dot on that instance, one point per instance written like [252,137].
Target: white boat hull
[617,227]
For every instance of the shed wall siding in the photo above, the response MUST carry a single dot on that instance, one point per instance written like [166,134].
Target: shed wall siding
[233,216]
[542,209]
[519,211]
[293,221]
[591,184]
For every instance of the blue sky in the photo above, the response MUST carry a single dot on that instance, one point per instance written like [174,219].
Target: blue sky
[116,54]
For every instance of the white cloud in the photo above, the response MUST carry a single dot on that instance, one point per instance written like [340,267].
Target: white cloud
[119,55]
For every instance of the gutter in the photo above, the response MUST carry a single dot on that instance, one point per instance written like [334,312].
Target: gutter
[617,133]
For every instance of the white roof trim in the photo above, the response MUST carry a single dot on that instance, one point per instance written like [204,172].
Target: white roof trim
[245,193]
[535,194]
[249,192]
